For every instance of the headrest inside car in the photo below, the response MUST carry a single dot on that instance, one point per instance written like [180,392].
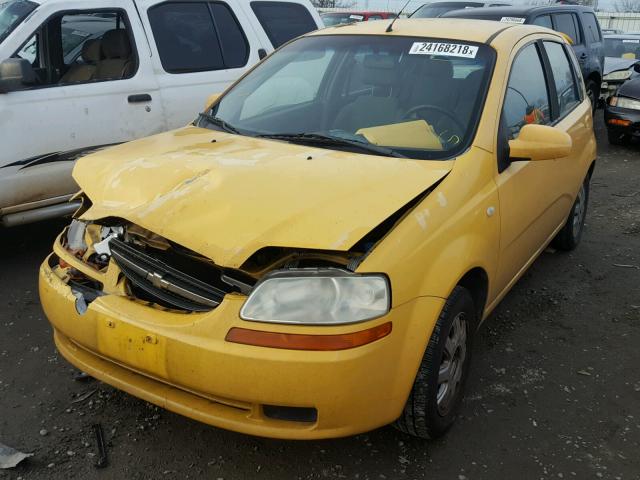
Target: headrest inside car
[115,44]
[380,70]
[91,51]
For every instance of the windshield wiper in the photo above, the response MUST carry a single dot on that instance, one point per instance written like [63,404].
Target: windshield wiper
[319,139]
[218,122]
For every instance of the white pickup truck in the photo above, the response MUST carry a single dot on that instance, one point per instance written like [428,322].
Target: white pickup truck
[77,75]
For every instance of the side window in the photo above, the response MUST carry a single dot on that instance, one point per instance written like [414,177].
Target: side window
[283,21]
[526,100]
[592,30]
[76,30]
[197,37]
[81,47]
[565,23]
[544,21]
[565,82]
[302,77]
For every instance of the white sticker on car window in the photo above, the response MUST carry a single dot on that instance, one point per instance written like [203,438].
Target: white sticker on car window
[444,49]
[630,41]
[356,17]
[512,20]
[80,33]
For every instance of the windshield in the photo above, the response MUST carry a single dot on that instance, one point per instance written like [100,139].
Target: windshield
[339,18]
[438,9]
[622,47]
[419,97]
[12,12]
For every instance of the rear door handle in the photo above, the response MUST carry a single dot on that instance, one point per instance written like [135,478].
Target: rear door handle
[141,97]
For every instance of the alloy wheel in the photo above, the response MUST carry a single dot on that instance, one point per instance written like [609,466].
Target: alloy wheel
[452,365]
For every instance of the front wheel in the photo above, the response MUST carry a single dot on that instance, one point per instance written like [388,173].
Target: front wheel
[434,400]
[569,237]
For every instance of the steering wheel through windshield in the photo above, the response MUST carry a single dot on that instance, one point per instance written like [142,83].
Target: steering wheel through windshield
[450,138]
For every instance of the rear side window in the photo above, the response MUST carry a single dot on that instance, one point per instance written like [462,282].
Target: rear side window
[563,77]
[544,21]
[592,30]
[565,23]
[197,37]
[283,21]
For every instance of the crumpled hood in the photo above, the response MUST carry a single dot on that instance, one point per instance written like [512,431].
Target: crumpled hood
[226,196]
[613,64]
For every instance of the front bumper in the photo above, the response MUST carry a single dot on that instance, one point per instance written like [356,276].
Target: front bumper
[624,114]
[181,362]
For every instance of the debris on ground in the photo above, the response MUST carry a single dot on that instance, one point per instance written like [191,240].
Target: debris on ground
[102,450]
[10,457]
[84,396]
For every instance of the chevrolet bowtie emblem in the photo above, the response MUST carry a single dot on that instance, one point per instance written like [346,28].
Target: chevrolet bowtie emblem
[157,280]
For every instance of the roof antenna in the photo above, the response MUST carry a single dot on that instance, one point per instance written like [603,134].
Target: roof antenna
[390,27]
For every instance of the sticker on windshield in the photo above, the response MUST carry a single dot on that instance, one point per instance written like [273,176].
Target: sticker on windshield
[630,41]
[512,20]
[444,49]
[356,17]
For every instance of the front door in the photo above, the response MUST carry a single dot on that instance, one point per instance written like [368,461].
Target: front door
[536,196]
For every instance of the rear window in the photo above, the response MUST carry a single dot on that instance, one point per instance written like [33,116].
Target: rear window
[592,30]
[197,37]
[283,21]
[544,21]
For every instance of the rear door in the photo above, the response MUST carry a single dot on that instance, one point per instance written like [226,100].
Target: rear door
[593,35]
[198,48]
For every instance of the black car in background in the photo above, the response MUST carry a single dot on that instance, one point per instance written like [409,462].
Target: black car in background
[577,22]
[437,9]
[622,112]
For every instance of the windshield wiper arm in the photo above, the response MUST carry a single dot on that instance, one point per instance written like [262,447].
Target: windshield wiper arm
[318,138]
[218,122]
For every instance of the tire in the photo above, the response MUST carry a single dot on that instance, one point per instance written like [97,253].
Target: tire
[616,138]
[593,92]
[432,406]
[569,237]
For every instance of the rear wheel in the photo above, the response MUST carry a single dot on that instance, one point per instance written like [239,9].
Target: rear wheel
[569,237]
[434,400]
[616,138]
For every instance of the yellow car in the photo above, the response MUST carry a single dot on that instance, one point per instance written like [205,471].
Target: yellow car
[312,257]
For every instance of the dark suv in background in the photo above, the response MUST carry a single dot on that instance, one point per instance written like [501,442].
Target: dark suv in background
[577,22]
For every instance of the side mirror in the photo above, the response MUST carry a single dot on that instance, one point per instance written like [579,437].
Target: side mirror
[211,99]
[540,142]
[15,74]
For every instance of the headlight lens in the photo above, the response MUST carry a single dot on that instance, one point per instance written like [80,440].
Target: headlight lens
[619,75]
[624,102]
[318,297]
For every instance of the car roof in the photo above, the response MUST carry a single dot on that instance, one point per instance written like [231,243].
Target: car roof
[518,10]
[460,29]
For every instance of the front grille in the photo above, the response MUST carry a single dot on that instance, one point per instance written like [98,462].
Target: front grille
[154,280]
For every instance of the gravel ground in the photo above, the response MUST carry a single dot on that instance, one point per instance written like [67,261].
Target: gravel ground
[554,389]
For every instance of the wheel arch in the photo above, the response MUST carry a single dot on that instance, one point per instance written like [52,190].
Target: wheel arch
[476,282]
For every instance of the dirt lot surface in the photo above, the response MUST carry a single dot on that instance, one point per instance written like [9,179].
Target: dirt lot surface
[554,392]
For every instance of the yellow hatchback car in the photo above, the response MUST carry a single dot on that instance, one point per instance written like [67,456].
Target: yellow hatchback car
[312,257]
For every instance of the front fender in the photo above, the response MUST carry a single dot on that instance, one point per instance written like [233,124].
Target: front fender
[453,230]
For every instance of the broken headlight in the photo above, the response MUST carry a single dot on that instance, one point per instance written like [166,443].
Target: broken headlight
[318,297]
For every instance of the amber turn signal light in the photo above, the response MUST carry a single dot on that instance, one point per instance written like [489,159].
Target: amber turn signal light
[296,341]
[617,121]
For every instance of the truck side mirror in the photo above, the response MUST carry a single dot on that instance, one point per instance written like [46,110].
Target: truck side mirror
[15,74]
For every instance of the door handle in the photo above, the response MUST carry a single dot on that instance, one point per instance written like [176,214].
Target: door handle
[141,97]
